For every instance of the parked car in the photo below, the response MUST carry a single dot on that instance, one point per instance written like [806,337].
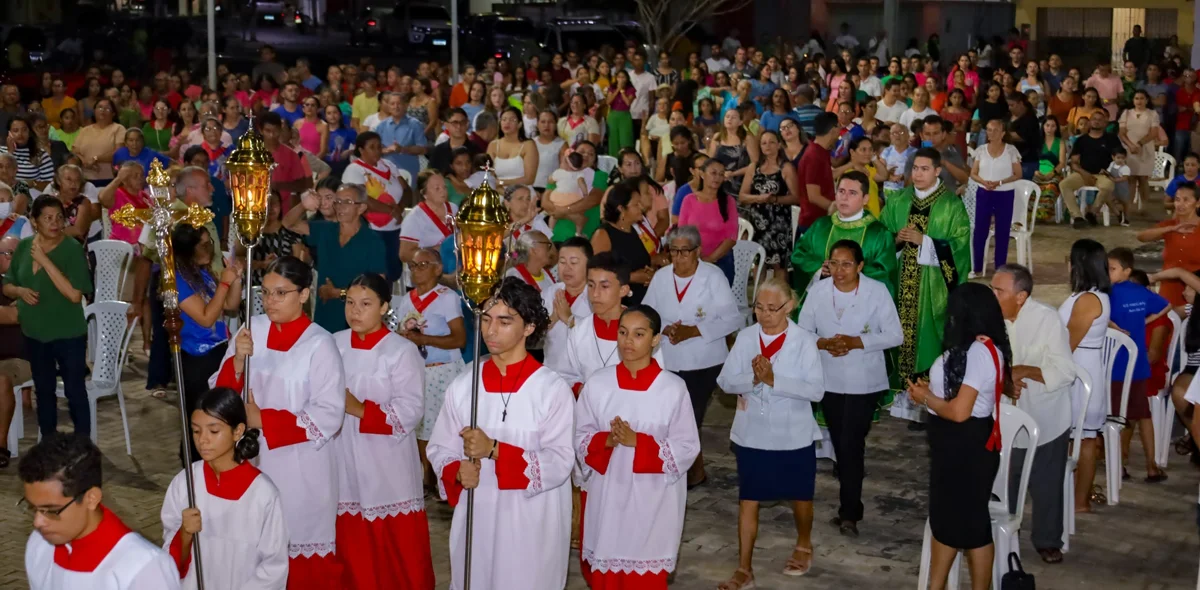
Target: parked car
[371,25]
[500,36]
[584,33]
[419,25]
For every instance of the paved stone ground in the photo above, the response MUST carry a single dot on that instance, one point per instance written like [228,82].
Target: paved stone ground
[1147,542]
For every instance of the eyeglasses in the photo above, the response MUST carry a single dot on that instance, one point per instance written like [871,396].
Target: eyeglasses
[51,513]
[277,293]
[844,264]
[422,265]
[7,253]
[760,308]
[682,251]
[344,203]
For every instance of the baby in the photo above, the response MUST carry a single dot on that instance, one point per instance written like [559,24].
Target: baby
[572,182]
[1118,172]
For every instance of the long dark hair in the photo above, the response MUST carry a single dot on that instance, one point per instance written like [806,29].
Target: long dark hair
[226,405]
[1089,267]
[186,241]
[618,197]
[35,152]
[520,121]
[973,311]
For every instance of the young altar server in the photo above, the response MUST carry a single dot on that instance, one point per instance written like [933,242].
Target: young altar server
[636,435]
[567,302]
[77,542]
[297,398]
[518,469]
[381,527]
[592,342]
[238,510]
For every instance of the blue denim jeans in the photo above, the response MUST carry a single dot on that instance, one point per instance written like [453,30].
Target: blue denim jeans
[66,358]
[1183,139]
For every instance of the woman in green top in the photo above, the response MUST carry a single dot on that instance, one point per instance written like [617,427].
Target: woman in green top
[343,248]
[1051,159]
[68,130]
[457,189]
[48,279]
[563,227]
[159,129]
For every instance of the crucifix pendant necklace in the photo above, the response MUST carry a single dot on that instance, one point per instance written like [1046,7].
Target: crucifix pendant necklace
[506,397]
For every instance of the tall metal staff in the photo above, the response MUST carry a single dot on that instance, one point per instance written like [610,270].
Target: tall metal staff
[249,167]
[161,218]
[479,232]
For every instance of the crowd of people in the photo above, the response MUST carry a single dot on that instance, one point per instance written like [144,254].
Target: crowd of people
[628,185]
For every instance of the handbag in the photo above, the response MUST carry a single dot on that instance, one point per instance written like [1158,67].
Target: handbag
[1016,578]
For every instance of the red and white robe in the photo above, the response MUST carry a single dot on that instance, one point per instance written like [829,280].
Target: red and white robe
[296,377]
[383,535]
[112,557]
[523,503]
[633,514]
[555,343]
[244,541]
[591,346]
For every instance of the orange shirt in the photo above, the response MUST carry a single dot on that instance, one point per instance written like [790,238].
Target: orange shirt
[458,96]
[1180,251]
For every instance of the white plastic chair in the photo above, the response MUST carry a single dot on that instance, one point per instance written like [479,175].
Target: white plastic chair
[1021,218]
[1161,410]
[113,333]
[745,229]
[256,293]
[113,258]
[16,430]
[1073,460]
[795,221]
[747,257]
[1006,524]
[1114,341]
[606,163]
[1164,170]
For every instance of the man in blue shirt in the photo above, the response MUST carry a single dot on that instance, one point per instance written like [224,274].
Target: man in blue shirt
[1134,306]
[402,137]
[310,81]
[289,108]
[806,112]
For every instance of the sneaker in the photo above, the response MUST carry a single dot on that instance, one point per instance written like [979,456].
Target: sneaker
[1124,220]
[1079,223]
[1091,219]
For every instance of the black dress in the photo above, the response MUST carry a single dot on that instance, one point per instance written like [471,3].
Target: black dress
[628,245]
[772,223]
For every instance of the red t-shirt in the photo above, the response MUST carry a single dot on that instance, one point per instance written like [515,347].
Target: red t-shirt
[287,169]
[815,167]
[1185,100]
[1158,370]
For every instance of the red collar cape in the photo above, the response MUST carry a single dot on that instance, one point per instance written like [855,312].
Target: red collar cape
[525,274]
[605,330]
[645,378]
[367,341]
[85,553]
[233,483]
[494,382]
[284,336]
[769,350]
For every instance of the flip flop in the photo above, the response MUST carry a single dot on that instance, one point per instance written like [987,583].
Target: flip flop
[796,567]
[733,584]
[159,394]
[1051,555]
[1156,478]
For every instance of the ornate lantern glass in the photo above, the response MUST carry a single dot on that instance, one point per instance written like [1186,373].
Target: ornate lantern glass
[249,167]
[482,224]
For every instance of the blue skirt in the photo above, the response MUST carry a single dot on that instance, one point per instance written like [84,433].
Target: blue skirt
[772,476]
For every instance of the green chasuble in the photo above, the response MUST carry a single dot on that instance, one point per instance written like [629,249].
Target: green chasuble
[812,249]
[921,291]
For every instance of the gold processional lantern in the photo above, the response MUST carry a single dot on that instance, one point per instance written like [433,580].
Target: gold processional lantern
[482,224]
[249,167]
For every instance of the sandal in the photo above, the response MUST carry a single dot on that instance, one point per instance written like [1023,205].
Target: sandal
[1161,476]
[732,583]
[4,457]
[1098,496]
[796,567]
[159,394]
[1051,555]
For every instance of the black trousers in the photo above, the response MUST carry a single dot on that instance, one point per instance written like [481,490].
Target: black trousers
[48,361]
[1045,489]
[196,371]
[158,371]
[700,384]
[849,417]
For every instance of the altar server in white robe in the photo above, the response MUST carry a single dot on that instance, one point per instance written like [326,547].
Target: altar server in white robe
[567,302]
[592,342]
[854,319]
[698,311]
[298,398]
[382,531]
[244,538]
[77,542]
[775,370]
[518,459]
[636,435]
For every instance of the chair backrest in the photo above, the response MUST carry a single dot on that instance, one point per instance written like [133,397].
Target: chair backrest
[745,229]
[1164,166]
[407,176]
[1013,420]
[113,258]
[256,293]
[1114,341]
[1085,378]
[1024,193]
[606,163]
[746,255]
[1174,366]
[795,221]
[113,332]
[105,223]
[969,199]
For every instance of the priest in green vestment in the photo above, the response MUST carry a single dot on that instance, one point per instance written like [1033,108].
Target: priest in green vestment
[849,222]
[933,238]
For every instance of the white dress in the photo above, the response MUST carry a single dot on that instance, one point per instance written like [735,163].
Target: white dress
[636,497]
[244,541]
[112,557]
[1089,355]
[522,521]
[432,313]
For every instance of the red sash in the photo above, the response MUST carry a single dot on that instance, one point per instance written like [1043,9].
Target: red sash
[769,350]
[679,294]
[524,272]
[441,225]
[421,304]
[6,225]
[993,443]
[385,174]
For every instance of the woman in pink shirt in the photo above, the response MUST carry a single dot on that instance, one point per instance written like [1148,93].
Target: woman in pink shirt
[714,214]
[128,188]
[1108,86]
[970,76]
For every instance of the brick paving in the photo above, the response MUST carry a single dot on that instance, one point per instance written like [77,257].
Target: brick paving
[1147,542]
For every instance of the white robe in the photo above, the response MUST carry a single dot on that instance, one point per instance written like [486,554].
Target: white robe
[305,381]
[555,344]
[244,541]
[522,536]
[633,520]
[707,303]
[126,561]
[588,352]
[380,475]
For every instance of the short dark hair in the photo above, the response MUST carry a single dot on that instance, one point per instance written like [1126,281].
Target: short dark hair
[1186,186]
[269,118]
[457,111]
[579,242]
[650,314]
[856,176]
[44,201]
[1122,256]
[192,152]
[525,300]
[892,83]
[928,152]
[932,120]
[72,459]
[610,262]
[296,271]
[1140,277]
[823,123]
[851,246]
[1119,151]
[1022,278]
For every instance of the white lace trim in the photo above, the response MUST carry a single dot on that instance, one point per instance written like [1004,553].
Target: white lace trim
[393,420]
[310,429]
[668,458]
[629,566]
[437,472]
[533,472]
[310,549]
[386,510]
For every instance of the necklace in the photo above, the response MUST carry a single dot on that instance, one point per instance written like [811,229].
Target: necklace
[506,397]
[596,339]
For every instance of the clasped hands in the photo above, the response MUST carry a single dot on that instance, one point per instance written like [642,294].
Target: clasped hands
[839,345]
[678,332]
[910,235]
[763,371]
[620,433]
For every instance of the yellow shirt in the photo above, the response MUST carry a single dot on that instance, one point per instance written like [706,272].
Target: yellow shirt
[54,108]
[364,107]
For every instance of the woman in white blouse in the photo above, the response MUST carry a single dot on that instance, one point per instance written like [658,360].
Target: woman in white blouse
[997,166]
[698,311]
[855,321]
[775,370]
[962,395]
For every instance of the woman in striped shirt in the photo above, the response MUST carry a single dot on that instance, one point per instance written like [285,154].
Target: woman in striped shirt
[33,164]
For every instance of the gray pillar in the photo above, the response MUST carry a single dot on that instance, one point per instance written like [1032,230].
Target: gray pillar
[891,24]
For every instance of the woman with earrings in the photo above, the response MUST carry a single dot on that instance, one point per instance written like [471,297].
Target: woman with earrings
[237,507]
[381,523]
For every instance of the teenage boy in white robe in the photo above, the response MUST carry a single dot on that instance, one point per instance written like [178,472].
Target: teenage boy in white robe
[592,343]
[518,459]
[636,436]
[77,542]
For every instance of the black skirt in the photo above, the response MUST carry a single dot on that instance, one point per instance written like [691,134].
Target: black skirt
[961,474]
